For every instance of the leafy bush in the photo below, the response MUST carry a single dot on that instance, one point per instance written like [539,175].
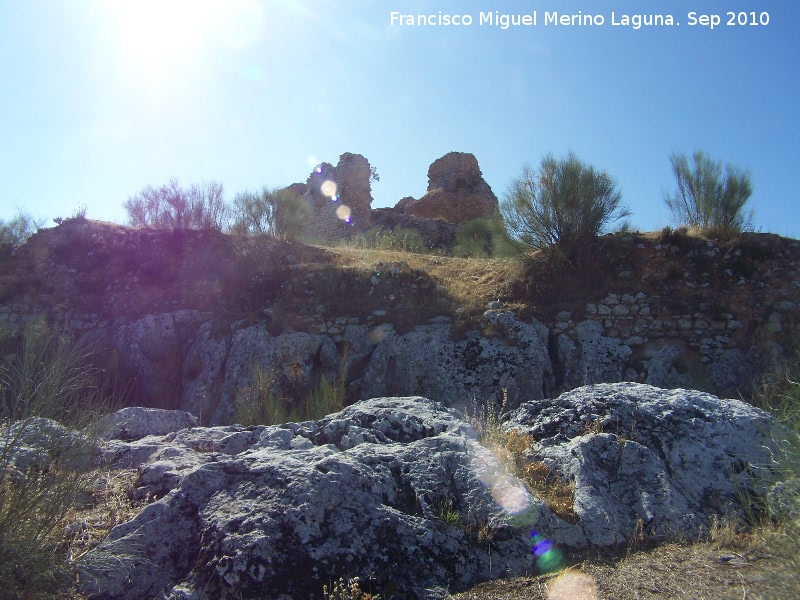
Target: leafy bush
[49,397]
[708,200]
[483,238]
[562,203]
[290,213]
[18,229]
[173,207]
[254,213]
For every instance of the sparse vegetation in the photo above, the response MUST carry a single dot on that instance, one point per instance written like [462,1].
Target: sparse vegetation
[563,203]
[484,238]
[346,590]
[260,404]
[398,239]
[173,207]
[45,469]
[515,451]
[706,198]
[19,229]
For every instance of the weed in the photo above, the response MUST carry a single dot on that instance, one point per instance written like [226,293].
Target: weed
[258,404]
[49,379]
[346,590]
[514,450]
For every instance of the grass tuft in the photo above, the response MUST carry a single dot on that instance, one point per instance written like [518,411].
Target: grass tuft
[258,404]
[515,451]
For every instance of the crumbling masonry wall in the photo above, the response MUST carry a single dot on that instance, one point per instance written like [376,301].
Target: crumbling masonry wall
[340,198]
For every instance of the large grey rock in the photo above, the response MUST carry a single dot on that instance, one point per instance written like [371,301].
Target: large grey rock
[217,368]
[150,353]
[661,460]
[398,492]
[591,357]
[280,511]
[136,422]
[428,361]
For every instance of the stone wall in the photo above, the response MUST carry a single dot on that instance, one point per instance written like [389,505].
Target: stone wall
[340,198]
[705,311]
[677,312]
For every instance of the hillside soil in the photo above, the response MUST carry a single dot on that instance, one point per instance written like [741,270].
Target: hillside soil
[766,567]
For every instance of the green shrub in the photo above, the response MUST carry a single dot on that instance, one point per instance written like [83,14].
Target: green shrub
[44,468]
[564,202]
[399,239]
[253,213]
[483,238]
[291,214]
[258,404]
[708,200]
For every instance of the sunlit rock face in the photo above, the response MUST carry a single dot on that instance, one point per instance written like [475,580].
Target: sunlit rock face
[396,491]
[650,461]
[457,192]
[428,360]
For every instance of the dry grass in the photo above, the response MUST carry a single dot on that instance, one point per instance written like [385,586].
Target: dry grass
[758,566]
[516,451]
[108,505]
[442,285]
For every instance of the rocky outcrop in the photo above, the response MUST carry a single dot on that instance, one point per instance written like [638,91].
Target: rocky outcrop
[429,361]
[217,368]
[398,492]
[393,491]
[148,352]
[651,462]
[457,192]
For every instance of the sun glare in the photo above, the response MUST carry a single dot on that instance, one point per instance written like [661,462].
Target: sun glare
[159,44]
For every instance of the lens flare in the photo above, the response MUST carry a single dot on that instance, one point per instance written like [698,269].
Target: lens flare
[548,557]
[510,493]
[312,161]
[328,188]
[343,212]
[573,585]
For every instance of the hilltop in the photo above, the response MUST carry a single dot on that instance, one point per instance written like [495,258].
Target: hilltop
[665,308]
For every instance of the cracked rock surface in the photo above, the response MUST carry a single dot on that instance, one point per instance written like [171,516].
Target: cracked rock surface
[398,492]
[649,460]
[280,511]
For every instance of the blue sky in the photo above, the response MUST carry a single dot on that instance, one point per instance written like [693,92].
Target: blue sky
[101,98]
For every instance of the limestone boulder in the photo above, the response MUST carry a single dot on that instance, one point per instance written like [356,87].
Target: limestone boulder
[457,192]
[395,491]
[649,461]
[429,361]
[589,356]
[136,422]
